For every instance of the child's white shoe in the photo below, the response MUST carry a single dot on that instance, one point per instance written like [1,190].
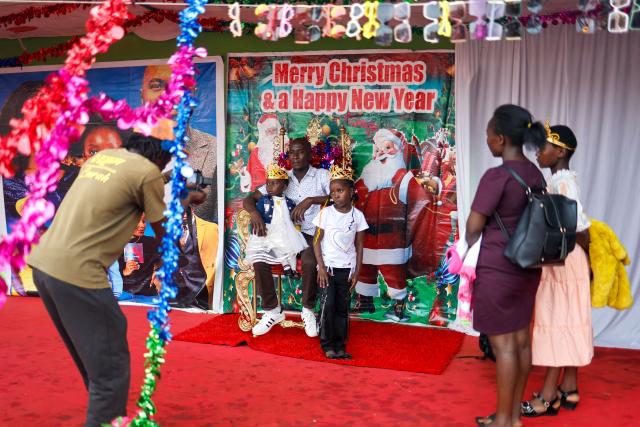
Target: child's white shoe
[269,320]
[310,322]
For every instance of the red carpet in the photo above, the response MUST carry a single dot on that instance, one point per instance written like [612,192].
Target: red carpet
[219,330]
[372,344]
[214,385]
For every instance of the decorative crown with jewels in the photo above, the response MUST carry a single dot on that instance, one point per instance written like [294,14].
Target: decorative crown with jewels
[274,171]
[337,172]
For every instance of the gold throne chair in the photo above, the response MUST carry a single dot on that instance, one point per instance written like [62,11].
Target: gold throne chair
[246,293]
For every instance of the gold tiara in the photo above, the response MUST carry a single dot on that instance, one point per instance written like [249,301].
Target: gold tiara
[554,138]
[274,171]
[337,172]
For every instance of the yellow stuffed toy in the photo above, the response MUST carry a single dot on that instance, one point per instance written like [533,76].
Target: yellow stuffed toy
[610,283]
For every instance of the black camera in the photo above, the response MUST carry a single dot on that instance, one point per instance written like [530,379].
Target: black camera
[200,181]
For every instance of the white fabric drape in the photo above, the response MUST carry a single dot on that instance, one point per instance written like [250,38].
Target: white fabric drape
[590,83]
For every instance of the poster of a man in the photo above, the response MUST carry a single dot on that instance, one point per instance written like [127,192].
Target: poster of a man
[135,82]
[201,149]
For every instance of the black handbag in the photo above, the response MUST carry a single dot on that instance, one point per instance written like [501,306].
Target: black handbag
[546,231]
[485,347]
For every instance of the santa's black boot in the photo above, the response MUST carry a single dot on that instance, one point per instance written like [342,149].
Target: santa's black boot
[397,311]
[364,304]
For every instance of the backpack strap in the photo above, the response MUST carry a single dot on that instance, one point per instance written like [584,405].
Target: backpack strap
[543,183]
[527,190]
[501,224]
[524,185]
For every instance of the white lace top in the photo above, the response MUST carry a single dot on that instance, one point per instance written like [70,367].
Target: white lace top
[565,182]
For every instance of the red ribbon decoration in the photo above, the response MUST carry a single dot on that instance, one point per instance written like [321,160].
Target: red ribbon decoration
[210,24]
[41,112]
[33,12]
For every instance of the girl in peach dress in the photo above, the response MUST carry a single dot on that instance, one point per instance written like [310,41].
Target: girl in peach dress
[562,332]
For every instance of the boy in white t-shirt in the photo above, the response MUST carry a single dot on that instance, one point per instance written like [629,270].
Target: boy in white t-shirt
[338,250]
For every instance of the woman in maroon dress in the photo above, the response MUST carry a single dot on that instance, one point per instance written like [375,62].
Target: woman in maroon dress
[504,293]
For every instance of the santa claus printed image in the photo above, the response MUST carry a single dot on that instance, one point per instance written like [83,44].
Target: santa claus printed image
[254,174]
[400,210]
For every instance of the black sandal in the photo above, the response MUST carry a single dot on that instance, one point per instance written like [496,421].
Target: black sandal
[528,410]
[485,421]
[330,354]
[341,354]
[567,404]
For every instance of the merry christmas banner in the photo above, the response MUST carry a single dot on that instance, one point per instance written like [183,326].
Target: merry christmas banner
[398,108]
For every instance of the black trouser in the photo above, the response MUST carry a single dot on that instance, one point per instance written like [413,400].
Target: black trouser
[334,311]
[191,278]
[267,288]
[94,330]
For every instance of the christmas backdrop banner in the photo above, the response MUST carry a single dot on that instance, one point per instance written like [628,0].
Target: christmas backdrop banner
[398,108]
[135,82]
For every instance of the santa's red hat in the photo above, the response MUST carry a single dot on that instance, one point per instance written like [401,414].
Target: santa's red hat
[392,135]
[267,121]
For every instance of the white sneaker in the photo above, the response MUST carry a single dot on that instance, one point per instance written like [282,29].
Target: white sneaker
[269,320]
[310,322]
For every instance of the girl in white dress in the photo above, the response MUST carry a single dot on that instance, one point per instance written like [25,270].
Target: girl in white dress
[283,240]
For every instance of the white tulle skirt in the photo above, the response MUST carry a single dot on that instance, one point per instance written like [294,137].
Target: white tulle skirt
[282,242]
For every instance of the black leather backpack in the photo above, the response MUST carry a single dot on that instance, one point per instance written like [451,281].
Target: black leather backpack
[546,231]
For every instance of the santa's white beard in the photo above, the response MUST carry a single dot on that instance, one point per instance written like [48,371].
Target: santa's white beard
[377,175]
[265,150]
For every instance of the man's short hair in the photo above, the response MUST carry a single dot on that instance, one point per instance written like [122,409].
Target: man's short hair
[303,140]
[147,146]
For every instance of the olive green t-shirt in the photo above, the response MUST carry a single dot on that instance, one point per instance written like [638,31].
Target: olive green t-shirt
[98,216]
